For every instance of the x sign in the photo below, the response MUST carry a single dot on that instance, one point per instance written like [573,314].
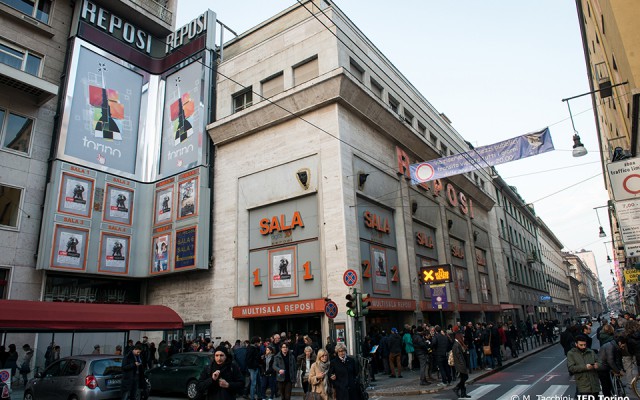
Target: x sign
[436,274]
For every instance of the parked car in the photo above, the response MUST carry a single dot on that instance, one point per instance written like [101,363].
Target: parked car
[83,377]
[178,373]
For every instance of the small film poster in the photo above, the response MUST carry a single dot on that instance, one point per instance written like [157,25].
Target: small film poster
[119,204]
[188,198]
[163,205]
[185,248]
[69,250]
[75,195]
[380,270]
[161,245]
[115,254]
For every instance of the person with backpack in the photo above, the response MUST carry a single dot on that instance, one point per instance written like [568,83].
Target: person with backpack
[460,354]
[221,380]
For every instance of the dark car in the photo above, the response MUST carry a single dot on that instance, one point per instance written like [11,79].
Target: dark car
[179,373]
[84,377]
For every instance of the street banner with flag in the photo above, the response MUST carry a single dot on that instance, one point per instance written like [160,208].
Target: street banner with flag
[513,149]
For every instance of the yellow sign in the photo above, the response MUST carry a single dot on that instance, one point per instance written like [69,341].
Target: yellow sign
[435,274]
[632,275]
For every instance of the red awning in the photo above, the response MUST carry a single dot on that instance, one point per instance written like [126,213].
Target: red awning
[28,316]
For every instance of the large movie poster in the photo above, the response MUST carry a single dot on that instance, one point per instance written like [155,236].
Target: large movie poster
[283,276]
[69,248]
[183,126]
[105,109]
[114,254]
[380,270]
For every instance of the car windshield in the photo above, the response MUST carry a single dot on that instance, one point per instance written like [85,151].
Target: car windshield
[109,366]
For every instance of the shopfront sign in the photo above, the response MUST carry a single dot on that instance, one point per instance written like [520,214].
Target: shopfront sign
[436,274]
[378,303]
[632,275]
[279,309]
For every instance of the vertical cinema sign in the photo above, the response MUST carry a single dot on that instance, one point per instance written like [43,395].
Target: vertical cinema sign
[437,187]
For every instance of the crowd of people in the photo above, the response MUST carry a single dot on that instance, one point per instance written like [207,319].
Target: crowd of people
[595,370]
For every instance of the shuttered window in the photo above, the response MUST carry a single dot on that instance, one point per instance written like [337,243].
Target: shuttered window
[305,72]
[273,85]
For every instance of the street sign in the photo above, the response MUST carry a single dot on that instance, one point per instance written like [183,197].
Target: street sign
[350,277]
[435,274]
[331,309]
[632,275]
[438,296]
[624,177]
[632,249]
[628,215]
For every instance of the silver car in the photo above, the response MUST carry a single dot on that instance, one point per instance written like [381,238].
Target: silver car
[78,377]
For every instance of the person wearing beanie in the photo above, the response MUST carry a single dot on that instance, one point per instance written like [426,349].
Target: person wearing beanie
[221,380]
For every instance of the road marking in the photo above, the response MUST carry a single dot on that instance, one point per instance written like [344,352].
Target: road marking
[524,378]
[550,377]
[547,374]
[514,392]
[482,390]
[554,390]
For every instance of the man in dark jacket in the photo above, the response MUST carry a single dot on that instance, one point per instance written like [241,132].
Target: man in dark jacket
[441,345]
[421,351]
[384,352]
[495,343]
[133,368]
[343,372]
[252,361]
[395,354]
[222,379]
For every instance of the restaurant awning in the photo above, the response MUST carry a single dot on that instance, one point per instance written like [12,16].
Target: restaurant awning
[39,316]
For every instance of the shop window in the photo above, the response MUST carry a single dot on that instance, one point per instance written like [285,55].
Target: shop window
[19,58]
[306,71]
[10,198]
[273,85]
[242,99]
[38,9]
[15,131]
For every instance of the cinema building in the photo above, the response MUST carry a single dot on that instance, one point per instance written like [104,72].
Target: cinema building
[314,134]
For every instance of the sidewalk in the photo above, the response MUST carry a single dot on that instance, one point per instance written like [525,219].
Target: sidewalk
[409,385]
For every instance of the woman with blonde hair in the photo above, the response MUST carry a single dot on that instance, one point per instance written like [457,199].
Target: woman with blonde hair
[318,379]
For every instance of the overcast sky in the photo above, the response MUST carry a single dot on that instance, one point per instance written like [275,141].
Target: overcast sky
[497,69]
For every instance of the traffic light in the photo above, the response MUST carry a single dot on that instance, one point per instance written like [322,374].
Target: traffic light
[352,303]
[364,304]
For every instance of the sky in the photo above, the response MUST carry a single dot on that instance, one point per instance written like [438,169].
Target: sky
[497,69]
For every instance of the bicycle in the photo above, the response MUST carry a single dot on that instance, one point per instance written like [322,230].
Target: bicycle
[635,382]
[617,385]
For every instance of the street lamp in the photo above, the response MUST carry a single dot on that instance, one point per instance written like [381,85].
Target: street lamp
[601,232]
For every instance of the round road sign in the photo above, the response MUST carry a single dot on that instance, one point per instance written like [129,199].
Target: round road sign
[331,309]
[350,277]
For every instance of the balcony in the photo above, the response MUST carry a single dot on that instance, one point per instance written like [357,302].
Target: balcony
[41,90]
[157,9]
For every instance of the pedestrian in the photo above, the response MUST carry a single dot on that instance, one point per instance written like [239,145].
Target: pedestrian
[285,366]
[222,379]
[441,345]
[461,364]
[133,367]
[96,349]
[384,352]
[3,356]
[267,374]
[118,350]
[12,360]
[583,365]
[25,363]
[421,351]
[303,364]
[395,354]
[48,354]
[610,360]
[343,373]
[319,376]
[407,341]
[252,362]
[469,336]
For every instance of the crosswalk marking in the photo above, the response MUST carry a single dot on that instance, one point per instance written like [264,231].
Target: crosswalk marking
[482,390]
[555,390]
[514,392]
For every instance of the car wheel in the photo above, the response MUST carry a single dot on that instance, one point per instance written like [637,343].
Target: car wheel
[28,396]
[191,389]
[148,382]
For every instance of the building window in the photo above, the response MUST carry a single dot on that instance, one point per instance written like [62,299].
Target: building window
[4,283]
[394,104]
[38,9]
[376,88]
[356,70]
[21,59]
[443,149]
[273,85]
[422,129]
[613,62]
[306,71]
[9,206]
[242,99]
[15,131]
[433,139]
[408,117]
